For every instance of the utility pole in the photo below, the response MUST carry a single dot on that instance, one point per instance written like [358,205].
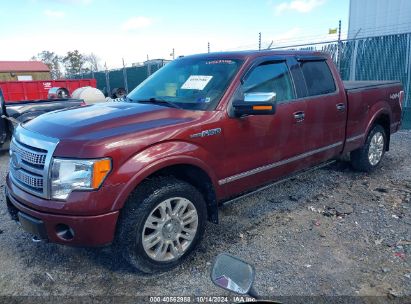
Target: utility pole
[208,47]
[353,68]
[339,46]
[259,41]
[108,91]
[125,77]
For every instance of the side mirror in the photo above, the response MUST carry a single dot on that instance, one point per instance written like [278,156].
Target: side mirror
[232,274]
[255,104]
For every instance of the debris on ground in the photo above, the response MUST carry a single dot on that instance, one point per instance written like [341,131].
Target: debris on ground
[381,190]
[50,277]
[316,223]
[393,294]
[378,242]
[316,210]
[403,242]
[400,255]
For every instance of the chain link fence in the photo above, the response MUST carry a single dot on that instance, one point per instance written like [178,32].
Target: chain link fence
[373,58]
[126,78]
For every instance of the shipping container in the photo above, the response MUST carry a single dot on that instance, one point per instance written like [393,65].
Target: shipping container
[15,91]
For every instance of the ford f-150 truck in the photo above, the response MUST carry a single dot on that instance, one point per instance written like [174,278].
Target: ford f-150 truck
[146,174]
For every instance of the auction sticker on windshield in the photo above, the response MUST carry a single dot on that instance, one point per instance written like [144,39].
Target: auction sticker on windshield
[196,82]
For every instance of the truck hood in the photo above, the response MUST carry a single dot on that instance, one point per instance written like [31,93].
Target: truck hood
[106,120]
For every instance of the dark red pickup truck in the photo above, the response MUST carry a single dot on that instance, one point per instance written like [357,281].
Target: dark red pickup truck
[145,174]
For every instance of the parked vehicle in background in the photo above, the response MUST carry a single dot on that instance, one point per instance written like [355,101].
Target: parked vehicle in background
[17,91]
[145,174]
[12,114]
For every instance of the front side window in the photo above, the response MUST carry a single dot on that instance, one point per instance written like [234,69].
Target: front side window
[188,83]
[318,77]
[270,77]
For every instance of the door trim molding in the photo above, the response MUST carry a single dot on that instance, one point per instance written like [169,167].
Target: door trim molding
[354,138]
[276,164]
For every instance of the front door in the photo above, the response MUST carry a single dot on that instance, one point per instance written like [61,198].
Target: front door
[261,148]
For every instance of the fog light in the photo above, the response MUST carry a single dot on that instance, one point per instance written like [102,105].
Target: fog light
[64,232]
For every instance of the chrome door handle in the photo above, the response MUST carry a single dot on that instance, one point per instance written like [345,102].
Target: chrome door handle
[340,107]
[299,116]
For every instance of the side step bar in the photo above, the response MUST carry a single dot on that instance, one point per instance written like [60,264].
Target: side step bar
[278,182]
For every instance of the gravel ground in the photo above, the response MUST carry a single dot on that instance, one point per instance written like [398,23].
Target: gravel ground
[328,232]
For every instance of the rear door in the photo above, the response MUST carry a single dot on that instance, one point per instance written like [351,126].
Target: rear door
[326,110]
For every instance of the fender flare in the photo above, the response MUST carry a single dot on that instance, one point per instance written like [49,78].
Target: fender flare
[383,111]
[155,165]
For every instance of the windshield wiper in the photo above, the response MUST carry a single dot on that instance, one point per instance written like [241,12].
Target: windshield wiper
[159,101]
[126,98]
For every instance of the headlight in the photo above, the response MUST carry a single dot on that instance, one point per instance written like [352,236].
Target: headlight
[76,174]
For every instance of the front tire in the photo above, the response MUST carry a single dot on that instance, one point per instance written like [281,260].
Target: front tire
[161,224]
[369,156]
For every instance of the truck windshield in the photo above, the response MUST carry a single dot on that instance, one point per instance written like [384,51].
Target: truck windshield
[187,83]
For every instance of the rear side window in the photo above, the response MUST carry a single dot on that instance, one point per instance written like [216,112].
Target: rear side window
[270,77]
[318,77]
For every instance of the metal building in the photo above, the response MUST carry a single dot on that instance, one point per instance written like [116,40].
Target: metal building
[379,17]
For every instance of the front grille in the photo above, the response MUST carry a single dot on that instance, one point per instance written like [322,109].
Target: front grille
[30,157]
[35,157]
[33,181]
[27,166]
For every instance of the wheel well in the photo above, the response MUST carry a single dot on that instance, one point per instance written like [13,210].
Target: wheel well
[384,121]
[199,179]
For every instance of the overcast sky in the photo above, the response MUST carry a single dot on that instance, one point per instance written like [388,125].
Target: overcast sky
[134,29]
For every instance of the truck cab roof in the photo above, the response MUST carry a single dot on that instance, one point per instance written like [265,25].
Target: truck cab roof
[252,54]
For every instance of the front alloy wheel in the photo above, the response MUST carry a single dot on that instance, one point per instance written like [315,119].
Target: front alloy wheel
[161,224]
[170,229]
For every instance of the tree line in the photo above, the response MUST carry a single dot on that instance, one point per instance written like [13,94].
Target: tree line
[73,62]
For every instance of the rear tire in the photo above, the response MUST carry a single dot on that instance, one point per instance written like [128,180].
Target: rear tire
[161,224]
[369,156]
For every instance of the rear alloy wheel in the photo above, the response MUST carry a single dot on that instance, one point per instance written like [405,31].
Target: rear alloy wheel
[370,155]
[376,149]
[161,224]
[170,228]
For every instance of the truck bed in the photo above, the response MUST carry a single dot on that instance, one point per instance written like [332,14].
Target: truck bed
[364,98]
[365,84]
